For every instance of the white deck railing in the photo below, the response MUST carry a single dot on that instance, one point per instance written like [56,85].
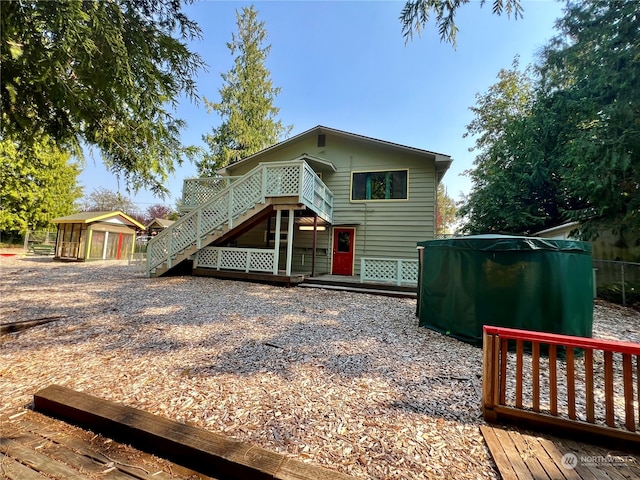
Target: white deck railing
[196,191]
[394,270]
[231,258]
[275,179]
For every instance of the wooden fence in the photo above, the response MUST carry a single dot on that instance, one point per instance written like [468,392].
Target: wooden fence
[595,398]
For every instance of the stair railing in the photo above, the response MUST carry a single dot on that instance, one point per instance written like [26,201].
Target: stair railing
[271,179]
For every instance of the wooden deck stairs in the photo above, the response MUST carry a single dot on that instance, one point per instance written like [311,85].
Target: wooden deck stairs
[251,216]
[220,215]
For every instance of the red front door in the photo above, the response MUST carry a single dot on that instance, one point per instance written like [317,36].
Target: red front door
[343,248]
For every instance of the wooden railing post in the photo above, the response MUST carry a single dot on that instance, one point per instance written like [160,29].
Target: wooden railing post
[588,382]
[519,355]
[608,388]
[488,377]
[553,380]
[504,347]
[627,373]
[535,375]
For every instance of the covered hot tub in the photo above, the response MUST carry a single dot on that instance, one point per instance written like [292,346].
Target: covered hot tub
[508,281]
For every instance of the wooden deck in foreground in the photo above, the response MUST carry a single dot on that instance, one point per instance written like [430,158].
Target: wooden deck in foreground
[207,452]
[36,447]
[521,455]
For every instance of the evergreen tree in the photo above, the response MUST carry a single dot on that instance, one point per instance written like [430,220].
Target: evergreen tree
[415,15]
[246,100]
[571,151]
[593,68]
[99,74]
[36,186]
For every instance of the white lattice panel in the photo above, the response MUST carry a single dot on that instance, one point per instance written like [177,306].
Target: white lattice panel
[184,234]
[384,270]
[261,261]
[283,180]
[197,191]
[207,257]
[157,250]
[389,270]
[214,214]
[410,271]
[233,259]
[204,191]
[308,185]
[247,194]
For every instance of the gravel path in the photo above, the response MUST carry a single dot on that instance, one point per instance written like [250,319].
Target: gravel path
[344,380]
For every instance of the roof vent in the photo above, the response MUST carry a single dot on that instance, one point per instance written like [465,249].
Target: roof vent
[322,140]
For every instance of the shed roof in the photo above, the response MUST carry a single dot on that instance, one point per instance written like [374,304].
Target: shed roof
[160,222]
[92,217]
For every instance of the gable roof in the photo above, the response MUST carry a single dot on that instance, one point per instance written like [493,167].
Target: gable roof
[442,161]
[160,222]
[92,217]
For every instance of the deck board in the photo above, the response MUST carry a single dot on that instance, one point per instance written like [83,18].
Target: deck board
[34,447]
[14,470]
[524,455]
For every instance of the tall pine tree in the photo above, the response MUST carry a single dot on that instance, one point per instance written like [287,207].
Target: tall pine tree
[246,103]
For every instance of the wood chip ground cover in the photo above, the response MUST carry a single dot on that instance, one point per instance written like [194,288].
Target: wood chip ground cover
[345,380]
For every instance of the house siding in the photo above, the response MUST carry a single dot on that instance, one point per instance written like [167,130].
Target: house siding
[384,229]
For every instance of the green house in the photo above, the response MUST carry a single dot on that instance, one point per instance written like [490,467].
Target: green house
[95,236]
[325,201]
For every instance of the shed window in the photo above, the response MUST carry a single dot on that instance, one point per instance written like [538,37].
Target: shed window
[386,185]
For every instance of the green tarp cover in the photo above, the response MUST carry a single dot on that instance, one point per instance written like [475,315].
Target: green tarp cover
[518,282]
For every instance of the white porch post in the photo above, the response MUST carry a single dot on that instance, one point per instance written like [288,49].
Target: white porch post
[106,242]
[290,243]
[276,243]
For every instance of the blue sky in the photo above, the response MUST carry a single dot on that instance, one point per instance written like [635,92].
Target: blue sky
[345,65]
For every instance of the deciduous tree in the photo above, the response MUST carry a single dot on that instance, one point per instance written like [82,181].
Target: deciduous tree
[160,211]
[104,200]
